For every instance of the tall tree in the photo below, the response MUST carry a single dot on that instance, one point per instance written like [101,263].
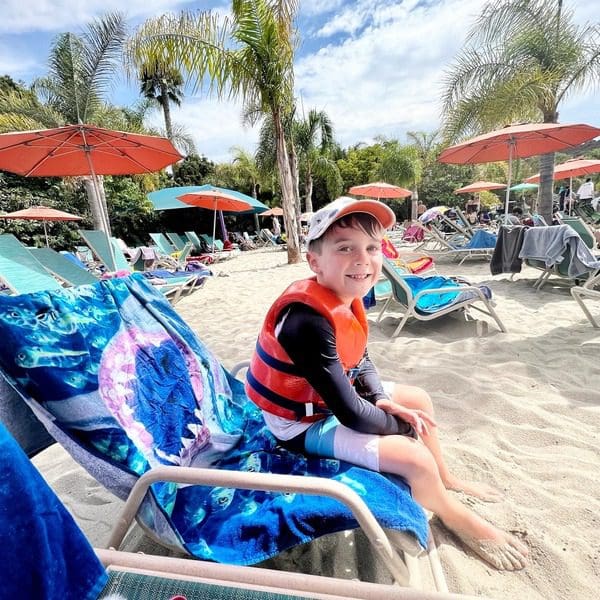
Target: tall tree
[247,56]
[522,59]
[313,137]
[163,84]
[82,69]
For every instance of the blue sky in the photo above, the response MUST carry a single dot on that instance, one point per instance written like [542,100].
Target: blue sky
[374,66]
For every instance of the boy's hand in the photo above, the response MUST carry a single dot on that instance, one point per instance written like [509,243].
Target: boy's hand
[419,419]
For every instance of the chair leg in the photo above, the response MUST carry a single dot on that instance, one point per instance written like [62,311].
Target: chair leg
[575,292]
[401,324]
[384,308]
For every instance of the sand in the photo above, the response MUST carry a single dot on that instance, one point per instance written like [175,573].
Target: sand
[519,410]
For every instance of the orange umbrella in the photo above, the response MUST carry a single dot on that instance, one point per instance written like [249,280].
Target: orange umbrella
[379,189]
[42,213]
[479,186]
[276,211]
[518,141]
[216,199]
[78,150]
[571,168]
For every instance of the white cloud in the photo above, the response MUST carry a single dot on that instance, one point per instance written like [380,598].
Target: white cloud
[60,15]
[215,126]
[385,81]
[313,8]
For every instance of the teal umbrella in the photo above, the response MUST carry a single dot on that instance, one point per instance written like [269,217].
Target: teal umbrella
[166,199]
[523,187]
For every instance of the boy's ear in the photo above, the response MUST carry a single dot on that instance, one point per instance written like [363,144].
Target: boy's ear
[313,262]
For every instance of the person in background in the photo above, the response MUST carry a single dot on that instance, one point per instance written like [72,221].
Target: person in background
[585,193]
[276,226]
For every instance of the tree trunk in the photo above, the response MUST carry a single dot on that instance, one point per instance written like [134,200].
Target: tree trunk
[308,207]
[288,196]
[296,178]
[164,102]
[546,185]
[414,205]
[95,205]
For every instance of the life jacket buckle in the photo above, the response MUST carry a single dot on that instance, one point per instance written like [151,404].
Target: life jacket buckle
[309,409]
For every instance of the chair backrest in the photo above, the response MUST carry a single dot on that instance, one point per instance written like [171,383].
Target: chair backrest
[106,249]
[401,292]
[585,233]
[162,243]
[178,241]
[193,237]
[21,272]
[63,268]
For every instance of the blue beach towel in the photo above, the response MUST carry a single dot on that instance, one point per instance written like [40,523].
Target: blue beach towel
[431,303]
[124,384]
[44,553]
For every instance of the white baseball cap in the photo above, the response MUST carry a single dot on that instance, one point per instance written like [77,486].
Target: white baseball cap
[326,216]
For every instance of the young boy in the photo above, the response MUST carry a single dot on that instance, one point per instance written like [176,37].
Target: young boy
[319,392]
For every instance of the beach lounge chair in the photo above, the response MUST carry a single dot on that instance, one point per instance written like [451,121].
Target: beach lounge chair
[21,272]
[426,298]
[588,291]
[163,244]
[481,245]
[95,392]
[62,268]
[561,251]
[47,556]
[177,240]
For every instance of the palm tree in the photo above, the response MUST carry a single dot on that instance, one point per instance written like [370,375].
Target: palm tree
[81,70]
[248,56]
[248,167]
[523,59]
[162,84]
[313,138]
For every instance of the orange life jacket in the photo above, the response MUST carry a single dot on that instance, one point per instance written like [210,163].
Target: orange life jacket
[272,381]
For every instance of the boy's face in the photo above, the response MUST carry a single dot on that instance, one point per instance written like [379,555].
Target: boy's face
[349,263]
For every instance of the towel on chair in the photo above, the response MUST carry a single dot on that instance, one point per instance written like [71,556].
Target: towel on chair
[44,553]
[123,383]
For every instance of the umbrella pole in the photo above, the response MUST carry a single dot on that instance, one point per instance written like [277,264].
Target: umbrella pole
[570,194]
[510,151]
[46,234]
[214,226]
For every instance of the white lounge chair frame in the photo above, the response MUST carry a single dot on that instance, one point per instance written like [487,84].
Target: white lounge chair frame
[402,295]
[587,291]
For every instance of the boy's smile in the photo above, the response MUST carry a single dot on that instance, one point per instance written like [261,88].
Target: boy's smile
[349,263]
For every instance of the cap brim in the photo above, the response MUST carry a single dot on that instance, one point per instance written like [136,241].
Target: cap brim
[384,214]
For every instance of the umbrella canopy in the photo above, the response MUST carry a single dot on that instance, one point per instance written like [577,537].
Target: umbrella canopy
[518,141]
[166,199]
[380,189]
[276,211]
[432,213]
[215,199]
[571,168]
[79,150]
[479,186]
[42,213]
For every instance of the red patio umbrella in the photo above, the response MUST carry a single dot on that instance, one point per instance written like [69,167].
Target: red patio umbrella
[42,213]
[276,211]
[479,186]
[380,189]
[518,141]
[84,150]
[215,199]
[571,168]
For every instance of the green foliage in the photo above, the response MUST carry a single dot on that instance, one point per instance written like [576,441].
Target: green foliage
[439,181]
[192,170]
[360,165]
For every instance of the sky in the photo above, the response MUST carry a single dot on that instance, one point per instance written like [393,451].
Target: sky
[374,66]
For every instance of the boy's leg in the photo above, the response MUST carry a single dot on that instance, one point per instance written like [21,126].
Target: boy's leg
[414,397]
[412,460]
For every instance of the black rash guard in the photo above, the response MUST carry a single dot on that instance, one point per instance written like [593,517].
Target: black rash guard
[309,340]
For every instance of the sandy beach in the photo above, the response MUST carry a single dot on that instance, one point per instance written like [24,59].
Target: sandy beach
[519,410]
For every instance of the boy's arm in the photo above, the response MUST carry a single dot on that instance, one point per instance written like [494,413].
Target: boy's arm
[309,341]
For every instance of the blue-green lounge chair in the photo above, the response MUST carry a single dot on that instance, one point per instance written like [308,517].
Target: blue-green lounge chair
[20,271]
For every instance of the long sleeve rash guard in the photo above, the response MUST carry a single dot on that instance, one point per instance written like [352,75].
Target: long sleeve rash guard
[309,340]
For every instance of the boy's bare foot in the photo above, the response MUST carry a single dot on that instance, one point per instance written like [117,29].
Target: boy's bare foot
[505,551]
[477,489]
